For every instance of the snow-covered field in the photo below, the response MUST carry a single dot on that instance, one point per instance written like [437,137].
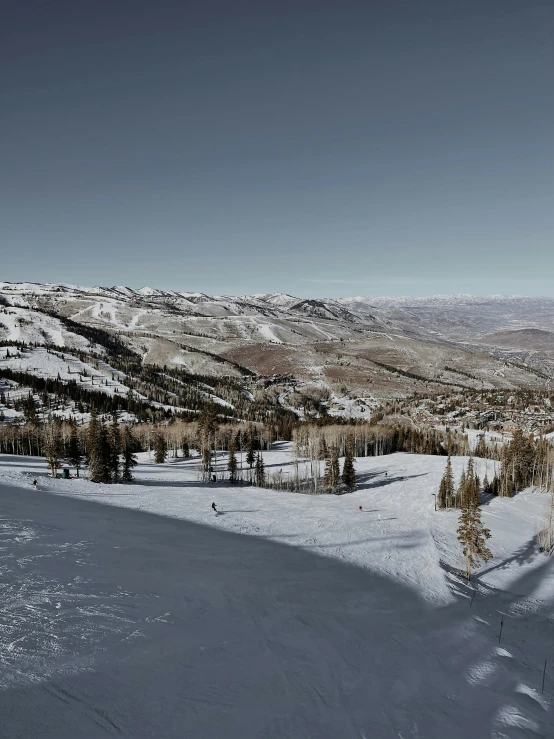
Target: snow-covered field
[134,610]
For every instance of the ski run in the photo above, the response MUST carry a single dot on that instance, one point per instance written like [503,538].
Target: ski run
[134,610]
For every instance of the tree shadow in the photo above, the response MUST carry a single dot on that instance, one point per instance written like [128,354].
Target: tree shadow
[239,510]
[372,510]
[383,482]
[402,541]
[525,554]
[32,462]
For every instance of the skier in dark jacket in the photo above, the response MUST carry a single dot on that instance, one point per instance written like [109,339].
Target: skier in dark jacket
[213,506]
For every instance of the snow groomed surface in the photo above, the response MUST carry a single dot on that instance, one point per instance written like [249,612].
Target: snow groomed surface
[132,610]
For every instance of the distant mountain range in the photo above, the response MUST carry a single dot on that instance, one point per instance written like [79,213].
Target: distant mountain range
[370,343]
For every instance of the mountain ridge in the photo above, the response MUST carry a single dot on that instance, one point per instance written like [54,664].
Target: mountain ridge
[382,346]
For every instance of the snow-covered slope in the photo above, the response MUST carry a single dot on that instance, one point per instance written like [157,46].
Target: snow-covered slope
[149,616]
[33,327]
[276,333]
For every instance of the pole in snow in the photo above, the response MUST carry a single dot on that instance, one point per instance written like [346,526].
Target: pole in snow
[501,625]
[472,598]
[543,676]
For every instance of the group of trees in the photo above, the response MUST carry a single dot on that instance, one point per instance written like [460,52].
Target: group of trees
[473,535]
[466,496]
[108,450]
[316,468]
[469,487]
[525,462]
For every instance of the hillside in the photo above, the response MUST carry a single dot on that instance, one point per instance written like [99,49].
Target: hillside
[532,339]
[323,620]
[354,349]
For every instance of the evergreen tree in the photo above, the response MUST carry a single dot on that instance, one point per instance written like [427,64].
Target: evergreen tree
[128,447]
[250,447]
[232,462]
[114,440]
[486,485]
[105,455]
[160,448]
[186,449]
[94,457]
[74,451]
[481,447]
[519,462]
[331,475]
[348,471]
[471,485]
[446,487]
[260,470]
[460,492]
[473,535]
[477,488]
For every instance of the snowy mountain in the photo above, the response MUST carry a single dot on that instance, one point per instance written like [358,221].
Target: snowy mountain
[367,347]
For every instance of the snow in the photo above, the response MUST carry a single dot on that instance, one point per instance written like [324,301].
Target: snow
[266,330]
[348,407]
[132,609]
[53,364]
[21,324]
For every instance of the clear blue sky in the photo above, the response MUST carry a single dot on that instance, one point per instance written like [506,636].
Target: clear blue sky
[318,148]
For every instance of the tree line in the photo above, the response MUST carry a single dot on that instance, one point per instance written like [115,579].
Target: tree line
[107,450]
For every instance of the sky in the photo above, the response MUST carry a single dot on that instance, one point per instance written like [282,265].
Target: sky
[316,148]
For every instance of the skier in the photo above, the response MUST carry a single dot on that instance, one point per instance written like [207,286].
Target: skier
[214,508]
[361,509]
[35,484]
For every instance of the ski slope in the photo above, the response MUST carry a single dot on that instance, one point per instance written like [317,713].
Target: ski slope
[102,377]
[134,610]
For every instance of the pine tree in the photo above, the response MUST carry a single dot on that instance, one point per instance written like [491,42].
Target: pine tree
[331,475]
[475,487]
[348,471]
[260,470]
[518,464]
[186,449]
[481,447]
[128,447]
[460,492]
[74,451]
[486,485]
[446,487]
[441,496]
[250,447]
[160,448]
[470,489]
[93,449]
[105,455]
[114,439]
[232,462]
[473,535]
